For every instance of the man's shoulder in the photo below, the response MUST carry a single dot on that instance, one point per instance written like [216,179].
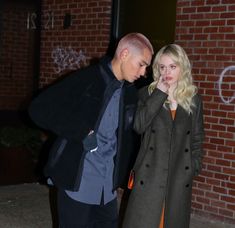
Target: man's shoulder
[81,74]
[94,67]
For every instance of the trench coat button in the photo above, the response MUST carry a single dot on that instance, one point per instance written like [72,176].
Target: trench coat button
[186,167]
[186,150]
[141,182]
[147,165]
[188,132]
[153,131]
[151,148]
[187,185]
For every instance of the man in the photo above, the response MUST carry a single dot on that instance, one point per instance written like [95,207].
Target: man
[92,112]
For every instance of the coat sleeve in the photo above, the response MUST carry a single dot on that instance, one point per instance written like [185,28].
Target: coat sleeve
[197,136]
[148,107]
[67,108]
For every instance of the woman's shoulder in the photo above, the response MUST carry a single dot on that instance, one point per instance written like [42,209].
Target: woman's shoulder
[197,98]
[143,91]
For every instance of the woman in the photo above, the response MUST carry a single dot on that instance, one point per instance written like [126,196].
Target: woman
[169,117]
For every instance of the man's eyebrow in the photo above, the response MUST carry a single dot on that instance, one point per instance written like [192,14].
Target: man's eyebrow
[147,64]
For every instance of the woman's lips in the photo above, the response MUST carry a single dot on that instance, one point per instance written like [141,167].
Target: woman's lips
[168,78]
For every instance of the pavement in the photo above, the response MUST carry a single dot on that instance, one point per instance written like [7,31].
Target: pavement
[29,206]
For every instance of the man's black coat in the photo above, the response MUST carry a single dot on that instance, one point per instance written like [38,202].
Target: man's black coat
[72,108]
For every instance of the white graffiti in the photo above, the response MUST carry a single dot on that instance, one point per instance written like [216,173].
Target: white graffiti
[220,82]
[67,59]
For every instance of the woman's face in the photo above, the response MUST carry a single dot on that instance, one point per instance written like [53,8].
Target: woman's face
[169,70]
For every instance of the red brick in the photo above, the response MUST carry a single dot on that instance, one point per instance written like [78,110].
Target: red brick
[212,195]
[227,213]
[218,203]
[224,148]
[198,192]
[220,190]
[229,171]
[218,127]
[221,176]
[197,205]
[206,173]
[211,209]
[200,178]
[218,23]
[227,15]
[217,141]
[232,192]
[229,156]
[215,154]
[209,160]
[230,22]
[213,182]
[230,143]
[202,200]
[219,8]
[223,162]
[228,199]
[204,186]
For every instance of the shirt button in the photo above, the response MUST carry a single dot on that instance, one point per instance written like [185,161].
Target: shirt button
[186,150]
[186,167]
[141,182]
[188,132]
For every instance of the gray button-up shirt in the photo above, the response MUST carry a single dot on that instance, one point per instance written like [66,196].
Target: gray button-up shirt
[97,176]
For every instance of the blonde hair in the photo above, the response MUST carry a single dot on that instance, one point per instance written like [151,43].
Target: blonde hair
[137,41]
[185,89]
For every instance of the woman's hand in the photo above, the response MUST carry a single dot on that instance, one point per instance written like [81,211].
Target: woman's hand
[163,85]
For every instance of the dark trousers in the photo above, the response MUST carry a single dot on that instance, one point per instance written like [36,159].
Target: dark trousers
[74,214]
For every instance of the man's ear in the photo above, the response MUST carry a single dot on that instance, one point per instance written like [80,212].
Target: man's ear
[124,53]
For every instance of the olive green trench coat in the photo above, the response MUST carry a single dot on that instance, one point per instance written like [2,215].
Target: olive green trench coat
[169,157]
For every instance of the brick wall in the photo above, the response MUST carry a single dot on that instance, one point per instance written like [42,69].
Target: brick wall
[15,57]
[66,48]
[206,29]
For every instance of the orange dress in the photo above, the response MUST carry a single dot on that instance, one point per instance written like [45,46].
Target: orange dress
[161,225]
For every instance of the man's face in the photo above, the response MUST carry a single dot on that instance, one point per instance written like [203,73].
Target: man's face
[134,64]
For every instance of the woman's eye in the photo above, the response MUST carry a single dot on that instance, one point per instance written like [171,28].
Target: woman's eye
[173,67]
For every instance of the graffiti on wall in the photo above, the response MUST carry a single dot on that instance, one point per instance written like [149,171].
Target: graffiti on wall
[221,81]
[67,59]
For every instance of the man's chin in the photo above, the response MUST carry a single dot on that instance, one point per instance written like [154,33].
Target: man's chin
[134,79]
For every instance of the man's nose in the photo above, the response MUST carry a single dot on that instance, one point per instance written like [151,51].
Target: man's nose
[143,72]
